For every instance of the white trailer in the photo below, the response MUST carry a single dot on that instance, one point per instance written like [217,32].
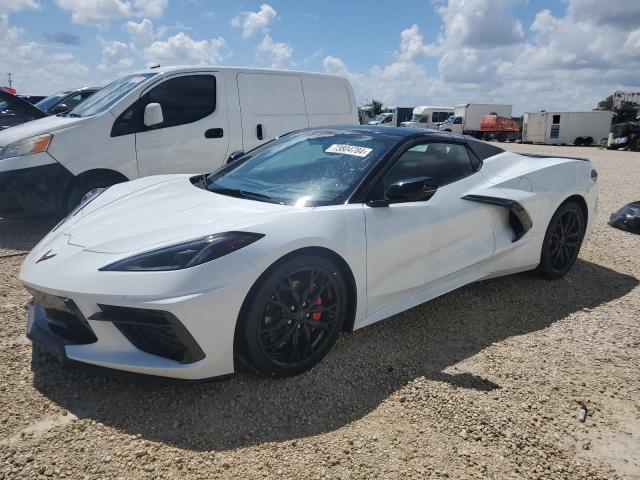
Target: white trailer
[554,128]
[466,117]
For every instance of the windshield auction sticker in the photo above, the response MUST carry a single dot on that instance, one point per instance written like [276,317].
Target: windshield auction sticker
[349,150]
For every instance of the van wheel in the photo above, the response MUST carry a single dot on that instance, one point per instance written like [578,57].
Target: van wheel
[578,142]
[85,190]
[587,142]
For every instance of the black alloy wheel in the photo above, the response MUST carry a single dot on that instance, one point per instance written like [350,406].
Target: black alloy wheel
[295,315]
[562,241]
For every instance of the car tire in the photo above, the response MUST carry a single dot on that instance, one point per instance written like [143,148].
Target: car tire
[562,241]
[578,142]
[587,142]
[85,188]
[293,315]
[502,137]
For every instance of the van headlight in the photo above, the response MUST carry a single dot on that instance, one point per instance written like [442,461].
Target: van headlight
[37,144]
[185,255]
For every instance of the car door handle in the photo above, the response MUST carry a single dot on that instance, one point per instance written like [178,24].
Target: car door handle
[214,133]
[259,131]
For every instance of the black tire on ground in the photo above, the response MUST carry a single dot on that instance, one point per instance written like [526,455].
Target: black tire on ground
[562,241]
[293,315]
[587,142]
[85,187]
[502,137]
[635,144]
[578,142]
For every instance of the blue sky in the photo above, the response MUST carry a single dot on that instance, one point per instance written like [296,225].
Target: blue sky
[535,54]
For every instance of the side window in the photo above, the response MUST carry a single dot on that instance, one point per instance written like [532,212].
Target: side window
[443,162]
[458,121]
[425,118]
[183,99]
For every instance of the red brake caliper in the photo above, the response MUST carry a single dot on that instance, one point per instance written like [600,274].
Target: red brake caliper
[317,315]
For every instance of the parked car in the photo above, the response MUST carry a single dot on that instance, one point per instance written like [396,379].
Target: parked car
[163,120]
[466,118]
[64,101]
[14,110]
[32,99]
[624,135]
[428,117]
[270,257]
[383,119]
[555,128]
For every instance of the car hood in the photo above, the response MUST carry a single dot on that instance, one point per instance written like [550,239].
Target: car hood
[163,210]
[37,127]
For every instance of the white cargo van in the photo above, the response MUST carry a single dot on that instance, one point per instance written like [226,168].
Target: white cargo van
[164,120]
[467,117]
[428,117]
[553,128]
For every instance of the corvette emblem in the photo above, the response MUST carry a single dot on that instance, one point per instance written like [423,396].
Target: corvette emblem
[46,256]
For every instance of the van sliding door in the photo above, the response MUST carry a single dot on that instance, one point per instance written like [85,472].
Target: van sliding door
[270,105]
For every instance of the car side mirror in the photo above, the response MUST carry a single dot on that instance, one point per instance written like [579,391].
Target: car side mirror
[409,190]
[153,114]
[60,108]
[235,156]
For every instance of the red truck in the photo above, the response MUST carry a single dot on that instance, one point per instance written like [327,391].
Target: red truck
[500,128]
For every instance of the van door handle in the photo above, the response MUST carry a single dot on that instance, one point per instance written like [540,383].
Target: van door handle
[214,133]
[259,131]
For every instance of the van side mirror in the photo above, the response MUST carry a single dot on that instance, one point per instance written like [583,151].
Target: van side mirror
[60,108]
[235,156]
[153,114]
[408,190]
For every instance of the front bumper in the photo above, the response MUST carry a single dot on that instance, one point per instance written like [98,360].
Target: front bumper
[178,324]
[33,190]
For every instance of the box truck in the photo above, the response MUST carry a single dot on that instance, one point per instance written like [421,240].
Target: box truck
[466,118]
[561,128]
[428,117]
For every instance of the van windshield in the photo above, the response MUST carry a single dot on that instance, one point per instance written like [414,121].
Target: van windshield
[104,99]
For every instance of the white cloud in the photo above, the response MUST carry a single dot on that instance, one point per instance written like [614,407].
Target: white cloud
[115,56]
[334,65]
[480,23]
[277,54]
[142,34]
[569,61]
[101,12]
[9,6]
[181,49]
[253,22]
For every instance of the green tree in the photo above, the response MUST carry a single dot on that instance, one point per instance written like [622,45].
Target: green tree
[606,104]
[627,112]
[376,106]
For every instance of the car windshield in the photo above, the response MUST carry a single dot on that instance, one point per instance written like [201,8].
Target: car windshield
[52,100]
[416,118]
[381,117]
[306,168]
[109,95]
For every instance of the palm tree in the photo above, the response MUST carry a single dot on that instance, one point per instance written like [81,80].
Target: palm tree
[376,106]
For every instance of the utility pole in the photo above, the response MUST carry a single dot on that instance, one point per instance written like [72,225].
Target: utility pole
[10,82]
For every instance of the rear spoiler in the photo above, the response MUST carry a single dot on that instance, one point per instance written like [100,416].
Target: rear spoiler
[542,155]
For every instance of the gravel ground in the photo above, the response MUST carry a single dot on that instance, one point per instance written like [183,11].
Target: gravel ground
[485,382]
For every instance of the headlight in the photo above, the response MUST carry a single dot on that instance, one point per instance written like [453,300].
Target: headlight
[36,144]
[185,255]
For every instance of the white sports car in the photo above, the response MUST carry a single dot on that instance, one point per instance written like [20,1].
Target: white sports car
[320,231]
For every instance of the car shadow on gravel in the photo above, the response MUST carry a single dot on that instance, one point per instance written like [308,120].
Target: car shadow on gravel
[363,369]
[23,234]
